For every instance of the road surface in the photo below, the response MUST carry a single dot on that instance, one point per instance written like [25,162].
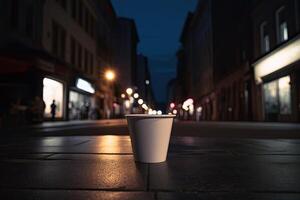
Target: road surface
[94,160]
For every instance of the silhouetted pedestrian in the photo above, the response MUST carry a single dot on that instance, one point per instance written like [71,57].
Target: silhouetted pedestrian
[53,110]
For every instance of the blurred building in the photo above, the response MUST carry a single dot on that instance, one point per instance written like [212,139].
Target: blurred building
[276,63]
[56,50]
[105,57]
[143,80]
[239,60]
[125,57]
[213,62]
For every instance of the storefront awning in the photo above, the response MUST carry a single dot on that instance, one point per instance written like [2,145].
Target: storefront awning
[284,56]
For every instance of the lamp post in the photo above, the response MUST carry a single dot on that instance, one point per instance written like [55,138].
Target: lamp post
[110,76]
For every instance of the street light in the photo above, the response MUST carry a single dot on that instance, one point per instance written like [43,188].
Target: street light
[140,101]
[123,96]
[145,107]
[129,91]
[172,105]
[110,75]
[136,95]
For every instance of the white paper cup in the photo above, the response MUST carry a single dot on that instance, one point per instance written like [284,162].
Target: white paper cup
[150,136]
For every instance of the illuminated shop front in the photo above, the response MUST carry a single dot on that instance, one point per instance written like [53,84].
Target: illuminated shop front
[277,98]
[277,76]
[82,101]
[53,90]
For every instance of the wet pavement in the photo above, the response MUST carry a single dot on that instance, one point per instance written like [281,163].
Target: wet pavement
[103,167]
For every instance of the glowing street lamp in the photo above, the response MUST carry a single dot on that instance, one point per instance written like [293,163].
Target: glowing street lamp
[110,75]
[129,91]
[140,101]
[123,96]
[127,104]
[172,105]
[145,107]
[136,95]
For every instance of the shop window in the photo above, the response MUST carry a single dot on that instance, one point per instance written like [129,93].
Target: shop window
[53,90]
[277,96]
[80,106]
[285,95]
[271,98]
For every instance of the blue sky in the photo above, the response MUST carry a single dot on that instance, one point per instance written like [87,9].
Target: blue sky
[159,24]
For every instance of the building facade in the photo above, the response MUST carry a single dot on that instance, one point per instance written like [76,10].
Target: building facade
[240,61]
[53,59]
[143,80]
[276,62]
[107,92]
[126,41]
[216,52]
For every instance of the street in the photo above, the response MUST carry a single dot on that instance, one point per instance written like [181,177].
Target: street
[225,160]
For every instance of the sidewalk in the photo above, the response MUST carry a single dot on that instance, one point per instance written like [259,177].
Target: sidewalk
[103,167]
[57,126]
[73,123]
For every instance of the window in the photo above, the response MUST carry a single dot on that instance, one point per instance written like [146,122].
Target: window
[53,90]
[80,13]
[285,95]
[86,60]
[264,38]
[54,38]
[277,96]
[92,26]
[87,19]
[58,40]
[92,63]
[281,25]
[29,22]
[73,51]
[62,44]
[271,98]
[74,8]
[14,18]
[62,3]
[79,56]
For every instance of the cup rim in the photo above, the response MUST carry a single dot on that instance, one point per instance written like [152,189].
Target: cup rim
[149,116]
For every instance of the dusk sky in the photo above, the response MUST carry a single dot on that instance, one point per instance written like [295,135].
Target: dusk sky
[159,24]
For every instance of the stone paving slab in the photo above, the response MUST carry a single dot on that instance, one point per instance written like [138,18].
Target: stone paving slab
[229,196]
[73,195]
[103,167]
[108,172]
[219,173]
[110,195]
